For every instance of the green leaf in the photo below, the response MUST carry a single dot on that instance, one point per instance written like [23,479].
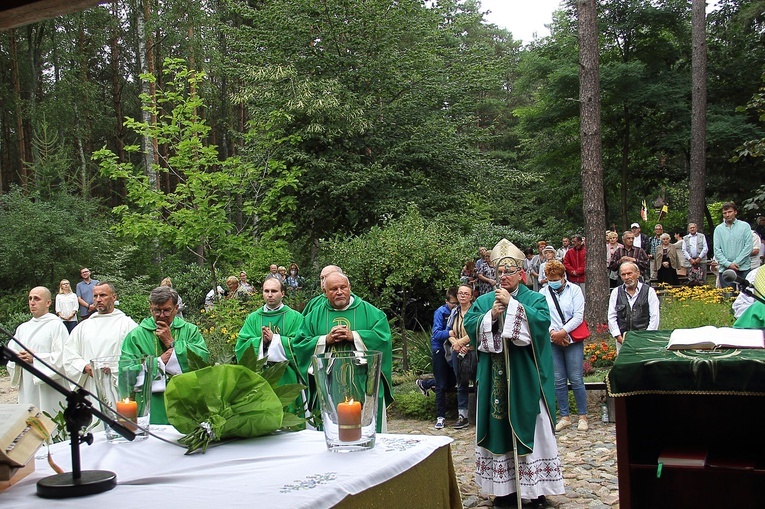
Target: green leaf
[195,361]
[274,372]
[250,360]
[292,421]
[287,393]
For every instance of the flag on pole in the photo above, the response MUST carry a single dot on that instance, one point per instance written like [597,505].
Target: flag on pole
[664,211]
[644,212]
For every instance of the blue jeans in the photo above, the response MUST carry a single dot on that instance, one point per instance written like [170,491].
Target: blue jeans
[444,376]
[462,389]
[567,362]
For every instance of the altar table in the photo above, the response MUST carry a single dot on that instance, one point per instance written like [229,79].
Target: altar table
[283,470]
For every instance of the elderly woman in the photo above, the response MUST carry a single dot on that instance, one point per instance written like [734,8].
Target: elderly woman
[566,304]
[666,261]
[612,244]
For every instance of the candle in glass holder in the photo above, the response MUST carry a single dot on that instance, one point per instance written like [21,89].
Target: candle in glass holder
[129,411]
[349,420]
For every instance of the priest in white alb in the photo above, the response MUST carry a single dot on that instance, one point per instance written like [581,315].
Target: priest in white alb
[44,335]
[101,335]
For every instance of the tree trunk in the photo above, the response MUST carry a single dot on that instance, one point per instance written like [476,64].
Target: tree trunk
[402,319]
[19,118]
[625,168]
[596,292]
[696,199]
[146,65]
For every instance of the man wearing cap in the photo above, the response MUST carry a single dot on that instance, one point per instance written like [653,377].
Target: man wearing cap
[641,239]
[509,327]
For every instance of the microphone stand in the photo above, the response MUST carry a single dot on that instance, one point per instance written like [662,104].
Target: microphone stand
[748,290]
[78,414]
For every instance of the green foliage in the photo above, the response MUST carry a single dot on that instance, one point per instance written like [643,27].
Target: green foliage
[195,212]
[11,321]
[419,352]
[411,403]
[53,238]
[192,282]
[406,257]
[220,327]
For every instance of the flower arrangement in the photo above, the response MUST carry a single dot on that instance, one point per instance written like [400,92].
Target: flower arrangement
[220,327]
[599,354]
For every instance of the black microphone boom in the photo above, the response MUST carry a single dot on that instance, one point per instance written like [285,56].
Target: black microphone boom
[730,276]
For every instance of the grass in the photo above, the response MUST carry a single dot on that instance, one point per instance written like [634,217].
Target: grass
[688,307]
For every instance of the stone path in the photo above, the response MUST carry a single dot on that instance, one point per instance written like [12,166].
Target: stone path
[588,459]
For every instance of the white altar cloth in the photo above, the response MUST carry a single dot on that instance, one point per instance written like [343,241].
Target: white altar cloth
[284,470]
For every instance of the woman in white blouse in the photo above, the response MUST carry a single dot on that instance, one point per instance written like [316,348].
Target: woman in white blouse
[66,304]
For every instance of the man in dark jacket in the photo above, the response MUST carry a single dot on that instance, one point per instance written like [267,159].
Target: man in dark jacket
[444,377]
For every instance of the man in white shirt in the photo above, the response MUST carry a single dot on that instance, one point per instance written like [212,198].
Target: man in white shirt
[45,336]
[99,336]
[632,306]
[695,251]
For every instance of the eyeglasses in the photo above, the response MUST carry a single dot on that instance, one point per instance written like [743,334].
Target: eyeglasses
[508,272]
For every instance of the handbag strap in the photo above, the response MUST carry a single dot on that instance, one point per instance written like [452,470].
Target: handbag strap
[557,306]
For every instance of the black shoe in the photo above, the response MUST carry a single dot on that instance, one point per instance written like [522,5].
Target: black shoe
[506,501]
[461,423]
[539,503]
[421,385]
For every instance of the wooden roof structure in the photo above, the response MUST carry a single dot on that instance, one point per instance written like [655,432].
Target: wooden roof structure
[15,13]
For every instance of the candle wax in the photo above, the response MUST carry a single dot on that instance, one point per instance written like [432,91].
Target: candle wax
[349,420]
[129,409]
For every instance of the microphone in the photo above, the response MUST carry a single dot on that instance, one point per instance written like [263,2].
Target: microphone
[730,276]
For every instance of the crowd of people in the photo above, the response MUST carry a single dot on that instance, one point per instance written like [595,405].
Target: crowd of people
[526,327]
[514,328]
[241,288]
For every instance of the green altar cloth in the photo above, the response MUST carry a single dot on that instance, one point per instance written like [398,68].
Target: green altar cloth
[645,366]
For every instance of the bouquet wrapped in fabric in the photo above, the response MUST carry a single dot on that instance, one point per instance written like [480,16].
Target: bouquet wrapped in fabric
[229,401]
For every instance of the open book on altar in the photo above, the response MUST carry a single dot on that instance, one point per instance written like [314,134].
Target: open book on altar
[711,337]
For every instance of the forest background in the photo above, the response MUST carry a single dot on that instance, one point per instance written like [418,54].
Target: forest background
[153,138]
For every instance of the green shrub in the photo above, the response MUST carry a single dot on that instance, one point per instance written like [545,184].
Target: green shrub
[220,327]
[418,343]
[414,405]
[11,322]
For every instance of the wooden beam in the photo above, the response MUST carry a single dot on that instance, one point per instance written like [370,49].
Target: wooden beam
[22,12]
